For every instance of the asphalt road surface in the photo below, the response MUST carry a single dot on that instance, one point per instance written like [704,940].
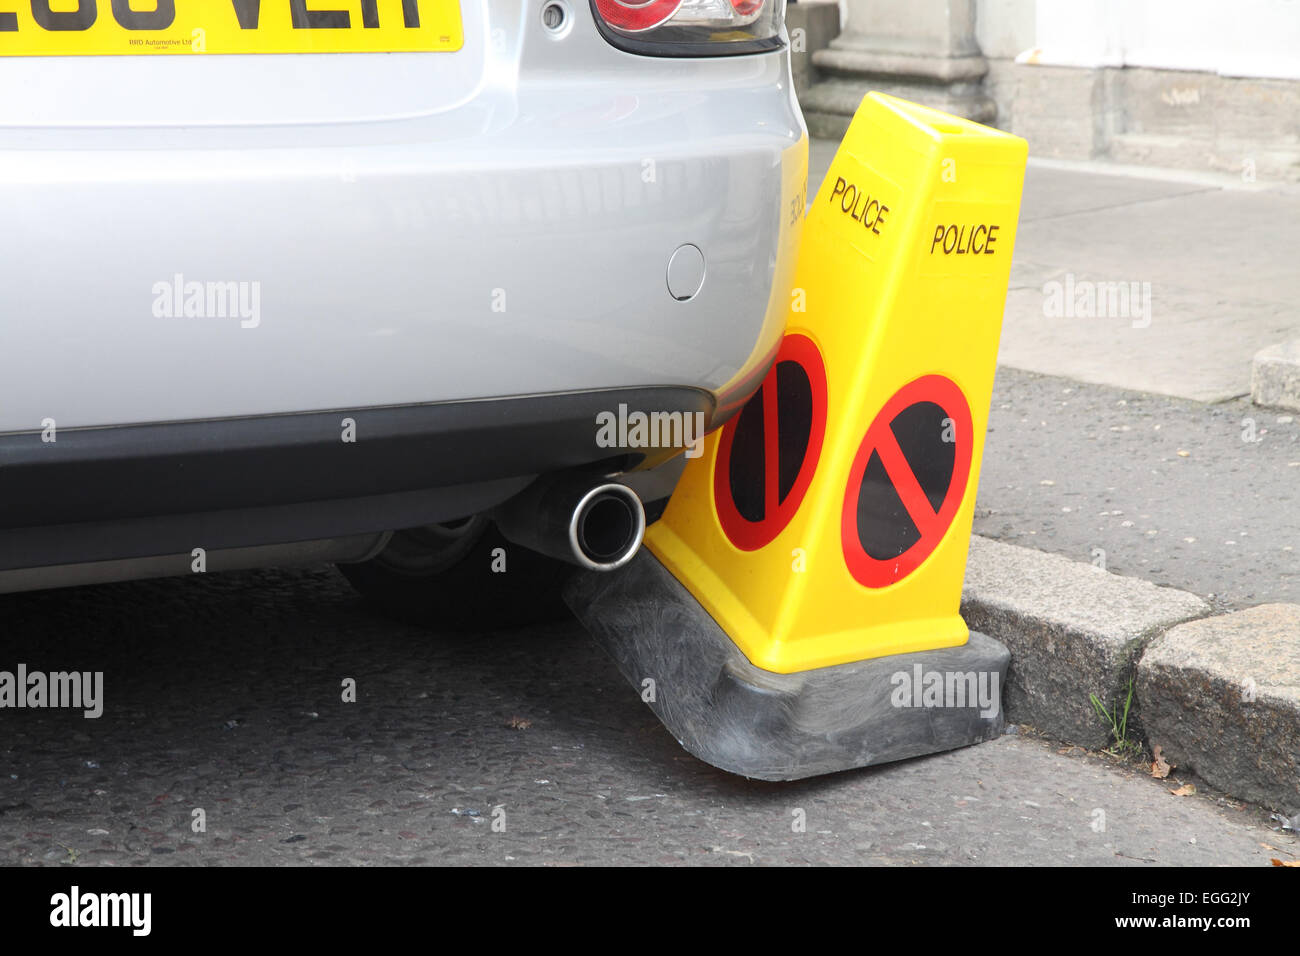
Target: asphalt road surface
[1201,497]
[223,693]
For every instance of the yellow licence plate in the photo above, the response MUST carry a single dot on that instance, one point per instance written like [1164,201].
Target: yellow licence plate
[110,27]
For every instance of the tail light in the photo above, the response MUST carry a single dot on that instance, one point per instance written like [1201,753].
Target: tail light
[691,27]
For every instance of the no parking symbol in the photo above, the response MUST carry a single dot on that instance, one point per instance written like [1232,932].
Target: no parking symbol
[768,453]
[907,481]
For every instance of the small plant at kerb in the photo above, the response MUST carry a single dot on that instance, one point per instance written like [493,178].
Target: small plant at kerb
[1117,720]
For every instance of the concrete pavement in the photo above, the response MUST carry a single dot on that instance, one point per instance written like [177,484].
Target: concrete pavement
[1138,441]
[1217,255]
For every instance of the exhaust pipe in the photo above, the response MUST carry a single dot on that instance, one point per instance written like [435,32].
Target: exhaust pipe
[580,518]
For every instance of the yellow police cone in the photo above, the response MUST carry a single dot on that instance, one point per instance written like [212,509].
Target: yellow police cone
[800,610]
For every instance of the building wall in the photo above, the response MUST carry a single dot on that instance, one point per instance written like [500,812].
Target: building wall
[1242,38]
[1210,85]
[1005,28]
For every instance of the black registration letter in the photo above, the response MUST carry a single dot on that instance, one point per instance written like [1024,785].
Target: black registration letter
[159,18]
[370,14]
[304,19]
[78,19]
[247,12]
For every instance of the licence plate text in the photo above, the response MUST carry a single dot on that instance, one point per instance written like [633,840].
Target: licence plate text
[107,27]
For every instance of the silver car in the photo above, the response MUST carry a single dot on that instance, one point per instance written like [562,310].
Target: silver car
[380,282]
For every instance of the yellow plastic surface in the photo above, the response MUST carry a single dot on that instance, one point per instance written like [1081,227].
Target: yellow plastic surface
[900,284]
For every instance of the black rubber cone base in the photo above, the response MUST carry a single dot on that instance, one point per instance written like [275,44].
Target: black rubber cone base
[757,723]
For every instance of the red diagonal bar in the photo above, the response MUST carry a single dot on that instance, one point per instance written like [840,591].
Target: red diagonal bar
[909,489]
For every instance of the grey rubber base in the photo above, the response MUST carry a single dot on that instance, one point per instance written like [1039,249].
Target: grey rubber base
[757,723]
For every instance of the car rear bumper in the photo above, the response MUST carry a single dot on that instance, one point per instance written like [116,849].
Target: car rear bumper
[208,263]
[511,239]
[100,494]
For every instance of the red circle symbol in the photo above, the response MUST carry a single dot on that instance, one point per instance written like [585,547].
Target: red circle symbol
[907,481]
[768,453]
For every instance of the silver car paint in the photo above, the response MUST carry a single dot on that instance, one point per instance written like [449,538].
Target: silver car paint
[422,227]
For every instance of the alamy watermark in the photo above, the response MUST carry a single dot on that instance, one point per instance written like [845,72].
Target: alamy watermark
[78,690]
[176,298]
[74,908]
[932,689]
[1085,299]
[624,429]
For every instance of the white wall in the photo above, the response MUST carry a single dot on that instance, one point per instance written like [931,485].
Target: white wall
[1232,37]
[1005,28]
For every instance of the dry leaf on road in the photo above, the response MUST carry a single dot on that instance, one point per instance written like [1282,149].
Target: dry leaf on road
[1185,790]
[1286,862]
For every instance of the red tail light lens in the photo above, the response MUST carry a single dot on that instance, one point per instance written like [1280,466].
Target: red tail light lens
[634,16]
[691,27]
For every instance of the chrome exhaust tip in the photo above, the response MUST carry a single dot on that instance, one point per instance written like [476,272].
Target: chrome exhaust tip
[580,518]
[607,527]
